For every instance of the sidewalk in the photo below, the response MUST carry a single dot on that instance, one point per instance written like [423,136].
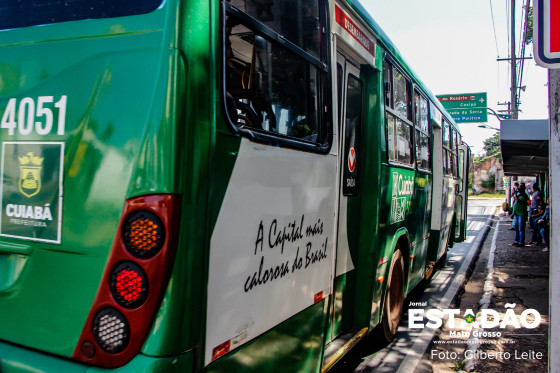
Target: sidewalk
[505,280]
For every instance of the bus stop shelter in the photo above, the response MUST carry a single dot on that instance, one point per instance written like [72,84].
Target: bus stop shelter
[524,146]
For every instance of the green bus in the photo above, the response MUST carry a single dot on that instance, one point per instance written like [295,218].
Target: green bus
[216,186]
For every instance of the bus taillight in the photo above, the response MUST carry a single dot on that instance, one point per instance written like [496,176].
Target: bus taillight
[133,283]
[111,330]
[143,234]
[129,285]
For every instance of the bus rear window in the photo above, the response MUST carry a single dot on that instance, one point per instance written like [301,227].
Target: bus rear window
[16,14]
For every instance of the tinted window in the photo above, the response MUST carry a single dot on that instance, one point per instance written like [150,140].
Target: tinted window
[391,138]
[22,13]
[273,90]
[422,150]
[296,20]
[388,77]
[404,142]
[353,124]
[400,94]
[422,113]
[422,131]
[400,130]
[446,135]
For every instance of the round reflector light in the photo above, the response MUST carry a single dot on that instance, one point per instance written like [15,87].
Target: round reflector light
[111,330]
[143,234]
[129,285]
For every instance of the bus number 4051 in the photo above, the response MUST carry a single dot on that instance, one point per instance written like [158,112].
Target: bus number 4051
[28,112]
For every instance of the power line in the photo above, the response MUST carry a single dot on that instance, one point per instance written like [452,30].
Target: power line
[494,27]
[526,22]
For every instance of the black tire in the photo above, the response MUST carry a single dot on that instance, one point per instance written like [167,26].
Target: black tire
[394,296]
[442,261]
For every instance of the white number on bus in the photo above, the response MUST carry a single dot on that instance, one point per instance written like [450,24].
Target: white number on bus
[28,115]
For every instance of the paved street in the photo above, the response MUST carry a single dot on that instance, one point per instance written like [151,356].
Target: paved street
[405,353]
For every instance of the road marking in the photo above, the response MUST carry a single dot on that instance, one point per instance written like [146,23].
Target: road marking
[473,342]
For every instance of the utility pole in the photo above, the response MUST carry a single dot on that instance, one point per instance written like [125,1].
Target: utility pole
[554,234]
[513,65]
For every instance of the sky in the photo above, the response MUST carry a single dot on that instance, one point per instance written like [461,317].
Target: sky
[451,46]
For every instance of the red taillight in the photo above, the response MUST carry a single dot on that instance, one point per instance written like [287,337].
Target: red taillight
[129,285]
[134,281]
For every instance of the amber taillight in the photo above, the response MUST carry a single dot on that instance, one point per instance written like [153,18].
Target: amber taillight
[133,283]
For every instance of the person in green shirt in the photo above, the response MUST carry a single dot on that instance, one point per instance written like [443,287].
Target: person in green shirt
[520,215]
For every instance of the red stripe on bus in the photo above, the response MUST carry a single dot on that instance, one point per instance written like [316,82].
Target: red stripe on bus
[347,24]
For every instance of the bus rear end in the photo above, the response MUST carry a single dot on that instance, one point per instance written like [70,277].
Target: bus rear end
[90,200]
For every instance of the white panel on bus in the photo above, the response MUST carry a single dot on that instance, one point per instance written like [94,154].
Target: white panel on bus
[271,251]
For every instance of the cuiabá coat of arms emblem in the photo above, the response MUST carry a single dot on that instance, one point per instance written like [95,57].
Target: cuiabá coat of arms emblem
[30,174]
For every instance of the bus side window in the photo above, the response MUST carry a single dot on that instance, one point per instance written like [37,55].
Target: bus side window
[422,125]
[398,114]
[277,87]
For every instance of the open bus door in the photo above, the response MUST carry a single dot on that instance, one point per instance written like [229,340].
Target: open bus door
[464,167]
[350,116]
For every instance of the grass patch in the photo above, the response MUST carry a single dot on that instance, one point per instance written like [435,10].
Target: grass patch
[487,195]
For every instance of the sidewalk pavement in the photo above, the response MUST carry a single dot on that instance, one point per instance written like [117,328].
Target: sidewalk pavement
[505,279]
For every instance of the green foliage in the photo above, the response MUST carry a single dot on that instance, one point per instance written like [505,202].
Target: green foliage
[490,182]
[458,365]
[529,34]
[491,148]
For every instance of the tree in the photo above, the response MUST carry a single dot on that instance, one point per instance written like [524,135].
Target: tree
[491,148]
[529,28]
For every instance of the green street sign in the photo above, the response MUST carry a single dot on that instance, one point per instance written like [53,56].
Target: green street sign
[466,107]
[469,115]
[464,101]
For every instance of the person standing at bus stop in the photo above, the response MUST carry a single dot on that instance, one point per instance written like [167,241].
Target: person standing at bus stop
[520,215]
[514,198]
[536,200]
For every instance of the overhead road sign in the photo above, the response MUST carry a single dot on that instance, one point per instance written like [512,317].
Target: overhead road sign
[546,42]
[466,107]
[469,115]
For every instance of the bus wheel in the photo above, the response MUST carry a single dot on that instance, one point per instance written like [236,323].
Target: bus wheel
[394,296]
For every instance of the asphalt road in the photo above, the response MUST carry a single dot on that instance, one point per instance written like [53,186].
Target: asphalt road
[404,354]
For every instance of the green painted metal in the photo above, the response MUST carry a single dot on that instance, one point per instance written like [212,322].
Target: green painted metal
[119,77]
[18,360]
[295,345]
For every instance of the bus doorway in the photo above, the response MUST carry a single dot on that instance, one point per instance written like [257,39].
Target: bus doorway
[350,99]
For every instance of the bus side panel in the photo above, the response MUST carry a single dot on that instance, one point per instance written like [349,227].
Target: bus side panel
[293,346]
[271,248]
